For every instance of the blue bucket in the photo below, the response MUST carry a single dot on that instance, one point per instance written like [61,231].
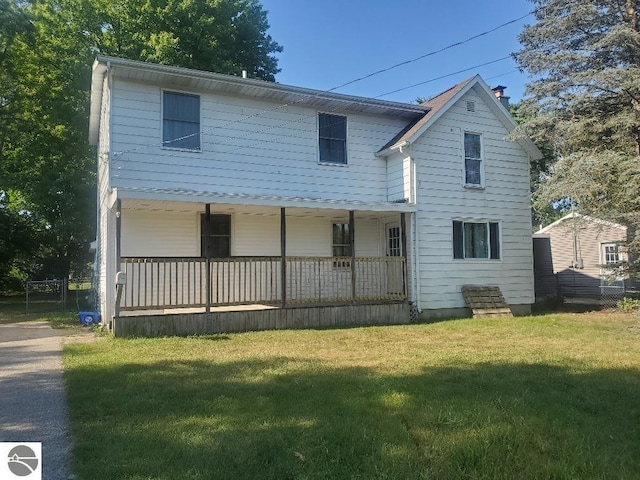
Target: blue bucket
[89,318]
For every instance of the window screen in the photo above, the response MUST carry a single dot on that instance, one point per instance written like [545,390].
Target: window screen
[472,159]
[332,138]
[181,121]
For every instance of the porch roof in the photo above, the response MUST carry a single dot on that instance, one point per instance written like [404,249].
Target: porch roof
[194,196]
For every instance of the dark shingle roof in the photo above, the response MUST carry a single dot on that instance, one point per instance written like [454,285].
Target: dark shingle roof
[435,104]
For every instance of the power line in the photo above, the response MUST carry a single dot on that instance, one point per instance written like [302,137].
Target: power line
[407,62]
[444,76]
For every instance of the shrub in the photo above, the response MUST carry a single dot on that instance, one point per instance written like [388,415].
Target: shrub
[628,305]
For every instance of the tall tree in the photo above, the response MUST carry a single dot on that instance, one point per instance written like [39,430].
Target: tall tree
[584,61]
[46,50]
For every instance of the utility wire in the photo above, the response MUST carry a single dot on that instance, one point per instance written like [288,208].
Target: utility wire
[443,76]
[407,62]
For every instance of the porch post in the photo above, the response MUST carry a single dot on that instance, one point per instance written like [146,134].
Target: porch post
[352,244]
[207,253]
[283,255]
[118,253]
[403,239]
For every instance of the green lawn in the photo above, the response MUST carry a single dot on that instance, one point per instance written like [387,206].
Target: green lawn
[554,396]
[13,310]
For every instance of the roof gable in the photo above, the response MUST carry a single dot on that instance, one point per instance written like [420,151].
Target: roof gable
[586,218]
[442,102]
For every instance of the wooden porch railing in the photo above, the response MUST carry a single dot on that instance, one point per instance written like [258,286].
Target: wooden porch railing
[170,282]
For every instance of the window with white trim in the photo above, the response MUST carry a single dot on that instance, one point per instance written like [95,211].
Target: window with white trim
[332,138]
[472,159]
[476,240]
[180,121]
[611,254]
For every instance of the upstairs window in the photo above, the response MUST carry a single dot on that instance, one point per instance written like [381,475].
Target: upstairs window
[180,121]
[215,242]
[476,240]
[472,159]
[332,138]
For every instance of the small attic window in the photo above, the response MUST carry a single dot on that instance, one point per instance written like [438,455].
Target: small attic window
[471,106]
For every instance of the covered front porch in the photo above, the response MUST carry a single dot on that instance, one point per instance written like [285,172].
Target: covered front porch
[214,267]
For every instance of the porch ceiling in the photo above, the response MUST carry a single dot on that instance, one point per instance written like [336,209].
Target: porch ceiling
[195,200]
[173,206]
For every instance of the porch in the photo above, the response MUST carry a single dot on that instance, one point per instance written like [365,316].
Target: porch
[172,296]
[207,279]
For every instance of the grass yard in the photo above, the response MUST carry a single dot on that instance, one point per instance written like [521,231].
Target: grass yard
[553,396]
[13,310]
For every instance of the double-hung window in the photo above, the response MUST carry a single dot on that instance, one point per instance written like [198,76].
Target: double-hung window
[610,254]
[180,121]
[332,138]
[472,159]
[476,240]
[215,241]
[341,243]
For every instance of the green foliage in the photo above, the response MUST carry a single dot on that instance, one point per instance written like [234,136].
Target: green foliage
[584,61]
[628,305]
[46,50]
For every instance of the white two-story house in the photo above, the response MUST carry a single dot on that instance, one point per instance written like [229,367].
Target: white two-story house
[227,203]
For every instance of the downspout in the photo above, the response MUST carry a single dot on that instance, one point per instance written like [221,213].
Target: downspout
[413,197]
[416,237]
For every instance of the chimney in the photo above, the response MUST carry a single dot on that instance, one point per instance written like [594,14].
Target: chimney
[499,93]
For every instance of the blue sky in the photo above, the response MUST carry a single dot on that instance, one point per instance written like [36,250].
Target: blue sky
[330,42]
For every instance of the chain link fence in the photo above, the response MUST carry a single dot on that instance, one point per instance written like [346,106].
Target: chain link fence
[47,295]
[580,289]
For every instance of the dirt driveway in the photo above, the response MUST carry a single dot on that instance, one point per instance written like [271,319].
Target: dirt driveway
[32,395]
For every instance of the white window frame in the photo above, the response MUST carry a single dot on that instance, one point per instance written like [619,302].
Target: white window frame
[346,140]
[486,222]
[162,141]
[618,252]
[464,160]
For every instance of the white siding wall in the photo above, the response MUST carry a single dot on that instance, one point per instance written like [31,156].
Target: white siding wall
[104,249]
[248,146]
[398,177]
[160,234]
[441,198]
[177,234]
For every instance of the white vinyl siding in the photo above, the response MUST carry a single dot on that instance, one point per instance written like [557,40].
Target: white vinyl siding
[177,234]
[442,197]
[399,178]
[248,147]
